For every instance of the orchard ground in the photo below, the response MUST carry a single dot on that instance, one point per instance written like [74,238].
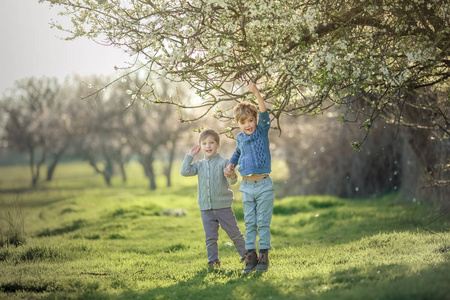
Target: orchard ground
[84,240]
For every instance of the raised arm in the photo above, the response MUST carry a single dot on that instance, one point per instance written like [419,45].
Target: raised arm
[261,104]
[187,167]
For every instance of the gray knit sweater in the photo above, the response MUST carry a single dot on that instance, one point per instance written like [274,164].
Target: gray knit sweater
[213,187]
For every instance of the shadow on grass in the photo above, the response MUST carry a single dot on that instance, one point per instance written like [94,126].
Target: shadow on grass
[47,189]
[208,285]
[205,284]
[77,224]
[429,284]
[332,220]
[29,202]
[357,283]
[34,204]
[16,191]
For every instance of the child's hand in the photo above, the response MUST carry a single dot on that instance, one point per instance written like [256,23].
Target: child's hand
[195,150]
[228,172]
[230,167]
[252,87]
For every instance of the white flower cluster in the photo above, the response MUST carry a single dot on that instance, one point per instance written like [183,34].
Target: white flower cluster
[311,18]
[419,55]
[208,40]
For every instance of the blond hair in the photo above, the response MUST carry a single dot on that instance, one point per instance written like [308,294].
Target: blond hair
[209,132]
[244,110]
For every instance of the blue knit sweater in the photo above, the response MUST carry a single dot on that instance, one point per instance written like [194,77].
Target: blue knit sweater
[252,152]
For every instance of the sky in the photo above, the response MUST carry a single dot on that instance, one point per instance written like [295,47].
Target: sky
[29,47]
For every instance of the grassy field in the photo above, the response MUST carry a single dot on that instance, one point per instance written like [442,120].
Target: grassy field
[87,241]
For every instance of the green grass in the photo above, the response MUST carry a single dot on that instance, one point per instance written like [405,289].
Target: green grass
[87,241]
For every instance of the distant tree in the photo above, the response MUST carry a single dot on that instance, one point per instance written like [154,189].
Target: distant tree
[149,129]
[174,129]
[146,135]
[101,140]
[60,130]
[26,126]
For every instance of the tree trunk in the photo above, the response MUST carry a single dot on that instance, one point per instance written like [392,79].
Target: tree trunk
[107,171]
[122,171]
[168,169]
[51,167]
[35,169]
[33,178]
[107,179]
[147,163]
[167,173]
[152,179]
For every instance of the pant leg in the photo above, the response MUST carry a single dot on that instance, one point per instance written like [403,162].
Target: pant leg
[264,211]
[249,207]
[227,221]
[257,200]
[211,227]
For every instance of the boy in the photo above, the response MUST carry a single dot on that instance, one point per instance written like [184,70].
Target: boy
[214,194]
[253,157]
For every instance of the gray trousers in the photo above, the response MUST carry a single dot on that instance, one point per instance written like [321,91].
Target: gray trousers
[227,220]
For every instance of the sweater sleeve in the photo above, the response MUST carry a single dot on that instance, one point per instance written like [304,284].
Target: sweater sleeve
[235,157]
[187,167]
[264,120]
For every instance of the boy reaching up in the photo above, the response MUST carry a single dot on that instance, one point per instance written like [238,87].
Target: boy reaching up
[252,154]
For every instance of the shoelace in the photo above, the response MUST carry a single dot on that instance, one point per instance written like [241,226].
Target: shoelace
[247,257]
[262,257]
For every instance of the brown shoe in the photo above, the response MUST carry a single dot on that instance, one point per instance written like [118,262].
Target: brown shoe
[263,260]
[214,264]
[251,260]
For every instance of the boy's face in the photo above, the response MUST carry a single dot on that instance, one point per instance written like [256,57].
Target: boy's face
[209,146]
[248,125]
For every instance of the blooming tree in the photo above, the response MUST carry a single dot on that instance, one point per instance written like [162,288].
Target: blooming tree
[27,111]
[365,56]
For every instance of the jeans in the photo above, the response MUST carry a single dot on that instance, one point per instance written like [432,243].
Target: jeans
[257,200]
